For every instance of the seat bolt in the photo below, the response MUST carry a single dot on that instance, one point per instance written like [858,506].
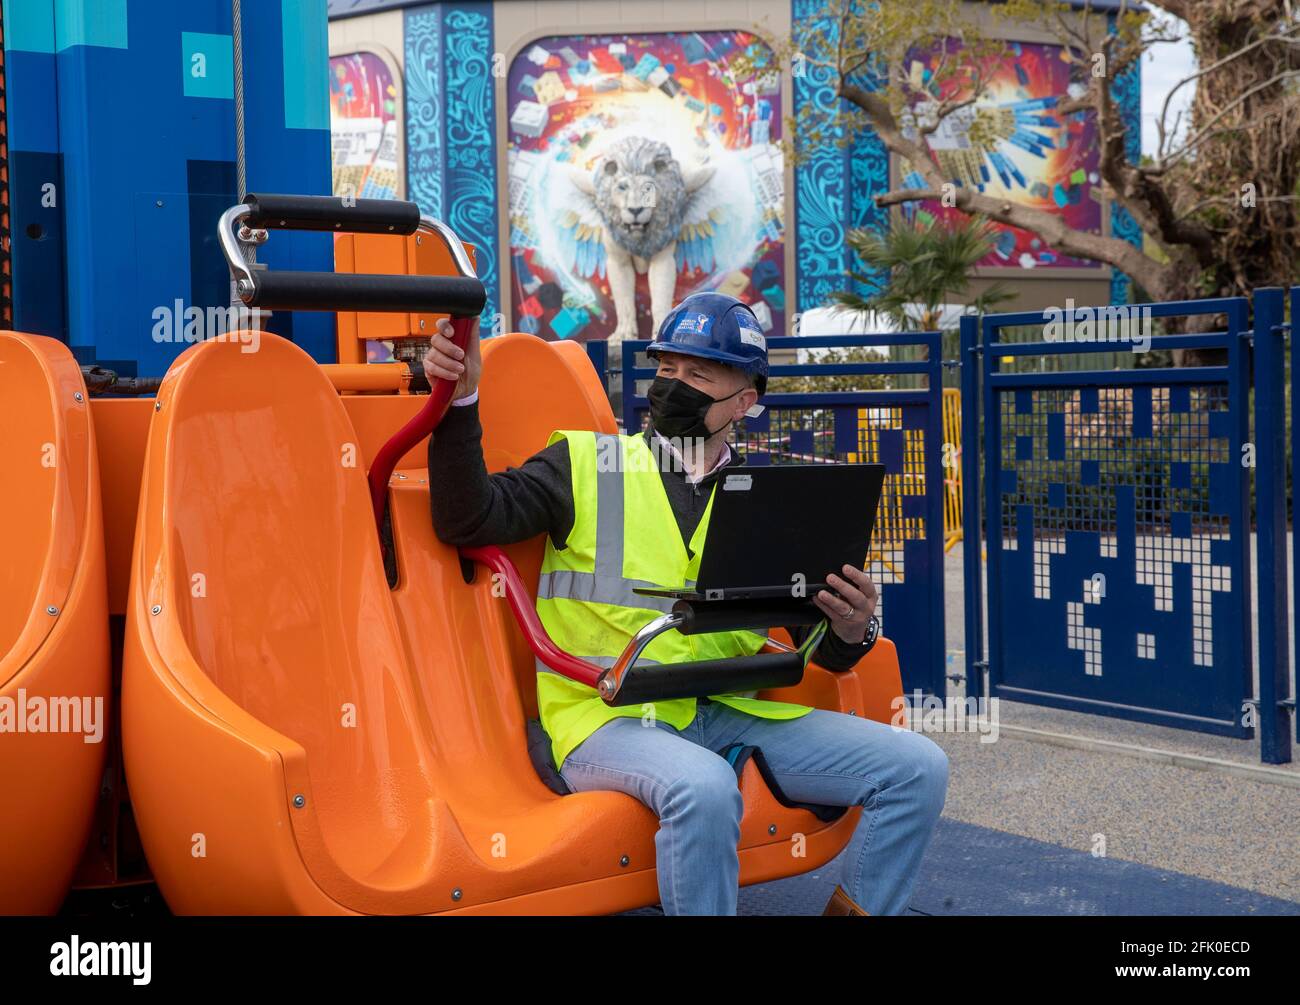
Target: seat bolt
[624,861]
[157,406]
[299,801]
[456,894]
[771,828]
[78,396]
[51,610]
[156,609]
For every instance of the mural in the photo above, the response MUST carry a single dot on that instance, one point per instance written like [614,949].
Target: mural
[363,126]
[642,168]
[1025,149]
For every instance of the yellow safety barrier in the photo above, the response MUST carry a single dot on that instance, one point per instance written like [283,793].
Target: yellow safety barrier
[952,467]
[892,528]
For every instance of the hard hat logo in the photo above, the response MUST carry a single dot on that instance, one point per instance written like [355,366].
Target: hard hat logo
[751,332]
[693,324]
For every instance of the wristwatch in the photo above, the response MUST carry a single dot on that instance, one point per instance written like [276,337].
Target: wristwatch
[873,633]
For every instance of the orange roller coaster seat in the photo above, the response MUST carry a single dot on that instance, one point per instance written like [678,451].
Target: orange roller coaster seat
[54,648]
[299,737]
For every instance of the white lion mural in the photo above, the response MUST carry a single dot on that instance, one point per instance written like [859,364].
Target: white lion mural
[640,212]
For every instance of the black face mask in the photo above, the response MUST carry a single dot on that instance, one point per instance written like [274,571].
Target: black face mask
[677,410]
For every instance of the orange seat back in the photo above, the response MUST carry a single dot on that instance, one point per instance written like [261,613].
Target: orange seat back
[271,567]
[44,450]
[530,388]
[54,640]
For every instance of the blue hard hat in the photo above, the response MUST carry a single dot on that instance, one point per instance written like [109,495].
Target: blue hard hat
[715,326]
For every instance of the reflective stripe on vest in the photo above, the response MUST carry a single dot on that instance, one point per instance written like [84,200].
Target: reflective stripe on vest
[592,614]
[607,585]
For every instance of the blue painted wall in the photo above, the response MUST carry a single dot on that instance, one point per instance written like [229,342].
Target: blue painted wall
[127,109]
[833,187]
[451,160]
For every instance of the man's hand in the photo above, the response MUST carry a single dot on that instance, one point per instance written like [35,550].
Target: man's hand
[445,361]
[850,611]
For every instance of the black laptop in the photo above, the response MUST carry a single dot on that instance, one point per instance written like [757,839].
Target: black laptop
[770,525]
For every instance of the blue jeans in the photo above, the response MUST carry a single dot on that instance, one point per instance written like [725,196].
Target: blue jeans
[828,758]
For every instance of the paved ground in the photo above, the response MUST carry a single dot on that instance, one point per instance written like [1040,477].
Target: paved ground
[970,870]
[1033,825]
[1211,825]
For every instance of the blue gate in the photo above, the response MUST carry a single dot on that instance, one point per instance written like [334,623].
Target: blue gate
[898,427]
[1115,508]
[1276,707]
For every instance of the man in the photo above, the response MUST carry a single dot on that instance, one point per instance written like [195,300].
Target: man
[712,368]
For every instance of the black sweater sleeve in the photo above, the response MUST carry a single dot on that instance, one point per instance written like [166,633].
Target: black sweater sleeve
[471,508]
[833,652]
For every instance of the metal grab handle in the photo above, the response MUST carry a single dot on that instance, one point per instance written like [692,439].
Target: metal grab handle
[782,666]
[616,678]
[700,678]
[462,295]
[343,291]
[699,617]
[332,213]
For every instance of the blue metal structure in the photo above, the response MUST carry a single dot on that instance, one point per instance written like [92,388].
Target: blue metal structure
[1117,525]
[1270,512]
[900,428]
[122,148]
[972,538]
[1294,328]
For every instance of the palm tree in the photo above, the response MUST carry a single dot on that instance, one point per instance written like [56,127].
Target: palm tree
[929,265]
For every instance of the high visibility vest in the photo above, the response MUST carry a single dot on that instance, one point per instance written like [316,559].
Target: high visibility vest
[624,536]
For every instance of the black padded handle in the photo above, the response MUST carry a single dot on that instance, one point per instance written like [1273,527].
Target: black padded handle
[665,681]
[703,616]
[332,213]
[459,296]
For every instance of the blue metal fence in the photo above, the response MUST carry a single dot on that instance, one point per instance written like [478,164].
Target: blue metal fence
[1115,509]
[1270,521]
[1288,497]
[1115,505]
[900,428]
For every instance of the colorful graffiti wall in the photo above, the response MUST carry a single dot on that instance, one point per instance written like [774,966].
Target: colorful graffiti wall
[364,127]
[1026,148]
[576,103]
